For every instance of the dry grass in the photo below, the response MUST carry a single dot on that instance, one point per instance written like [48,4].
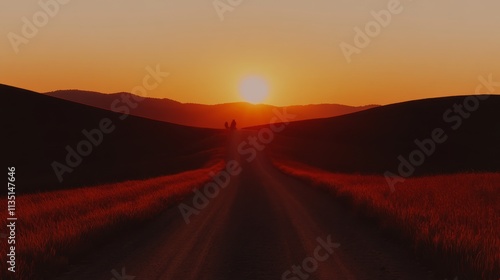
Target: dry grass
[453,220]
[56,226]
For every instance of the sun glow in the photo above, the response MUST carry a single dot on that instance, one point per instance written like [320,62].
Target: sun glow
[254,89]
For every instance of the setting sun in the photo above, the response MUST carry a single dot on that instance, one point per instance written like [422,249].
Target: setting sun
[254,89]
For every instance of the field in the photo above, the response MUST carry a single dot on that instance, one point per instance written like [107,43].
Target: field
[56,226]
[452,221]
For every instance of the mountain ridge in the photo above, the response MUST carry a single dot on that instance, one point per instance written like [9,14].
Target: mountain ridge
[203,115]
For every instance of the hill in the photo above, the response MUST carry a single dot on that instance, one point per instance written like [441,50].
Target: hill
[41,130]
[398,136]
[211,116]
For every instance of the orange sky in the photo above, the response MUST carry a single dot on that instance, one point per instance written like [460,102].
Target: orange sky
[430,48]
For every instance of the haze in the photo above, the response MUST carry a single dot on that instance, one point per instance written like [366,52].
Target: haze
[432,48]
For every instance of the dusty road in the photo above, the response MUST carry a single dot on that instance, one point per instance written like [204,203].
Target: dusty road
[263,225]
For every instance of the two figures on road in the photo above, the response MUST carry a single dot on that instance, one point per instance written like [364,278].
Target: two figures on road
[232,127]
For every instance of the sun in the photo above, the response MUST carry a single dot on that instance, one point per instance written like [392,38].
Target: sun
[254,89]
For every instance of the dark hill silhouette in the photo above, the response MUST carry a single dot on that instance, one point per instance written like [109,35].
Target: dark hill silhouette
[211,116]
[37,128]
[371,141]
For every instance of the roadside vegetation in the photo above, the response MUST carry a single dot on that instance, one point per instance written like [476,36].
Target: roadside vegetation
[453,221]
[57,226]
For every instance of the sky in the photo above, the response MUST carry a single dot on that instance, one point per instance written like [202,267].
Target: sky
[426,49]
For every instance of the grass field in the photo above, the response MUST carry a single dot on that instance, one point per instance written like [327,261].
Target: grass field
[56,226]
[451,220]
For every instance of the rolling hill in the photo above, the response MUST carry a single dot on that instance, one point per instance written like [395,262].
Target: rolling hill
[382,139]
[377,140]
[198,115]
[41,130]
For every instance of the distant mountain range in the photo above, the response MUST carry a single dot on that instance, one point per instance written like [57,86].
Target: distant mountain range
[199,115]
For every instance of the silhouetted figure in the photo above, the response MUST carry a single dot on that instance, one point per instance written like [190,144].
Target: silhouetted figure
[233,125]
[226,125]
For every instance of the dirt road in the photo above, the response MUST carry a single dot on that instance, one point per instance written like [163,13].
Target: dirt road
[263,225]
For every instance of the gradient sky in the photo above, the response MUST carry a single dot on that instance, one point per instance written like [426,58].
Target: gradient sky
[432,48]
